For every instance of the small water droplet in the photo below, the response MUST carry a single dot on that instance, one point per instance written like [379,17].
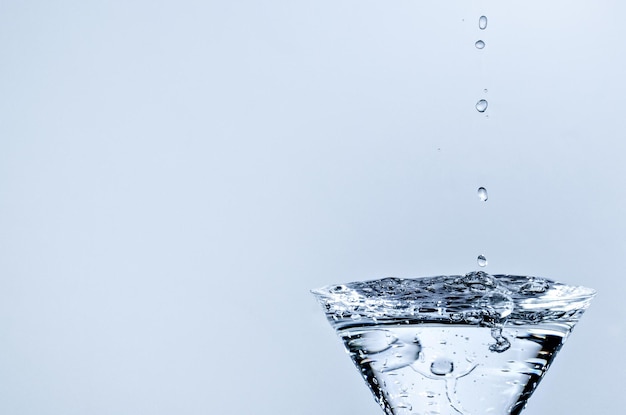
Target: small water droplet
[485,90]
[482,261]
[481,106]
[479,44]
[482,22]
[442,367]
[482,194]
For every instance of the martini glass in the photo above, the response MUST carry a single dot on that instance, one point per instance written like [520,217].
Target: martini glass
[472,345]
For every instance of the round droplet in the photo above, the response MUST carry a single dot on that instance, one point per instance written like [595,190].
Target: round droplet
[482,22]
[442,366]
[485,90]
[482,194]
[479,44]
[481,106]
[482,261]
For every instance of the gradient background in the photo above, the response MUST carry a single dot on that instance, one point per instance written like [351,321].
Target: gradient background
[175,177]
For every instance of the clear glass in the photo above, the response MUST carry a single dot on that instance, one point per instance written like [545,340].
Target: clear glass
[472,344]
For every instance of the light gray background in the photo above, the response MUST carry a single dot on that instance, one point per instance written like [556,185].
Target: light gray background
[175,177]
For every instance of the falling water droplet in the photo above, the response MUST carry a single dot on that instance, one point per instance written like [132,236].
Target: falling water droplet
[482,194]
[479,44]
[482,261]
[485,90]
[482,22]
[481,106]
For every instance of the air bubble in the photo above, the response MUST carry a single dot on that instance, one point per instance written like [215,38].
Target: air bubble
[482,194]
[502,343]
[372,342]
[497,305]
[481,260]
[481,106]
[442,367]
[479,44]
[482,22]
[535,286]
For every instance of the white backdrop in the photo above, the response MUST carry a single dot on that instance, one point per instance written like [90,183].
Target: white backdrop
[175,177]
